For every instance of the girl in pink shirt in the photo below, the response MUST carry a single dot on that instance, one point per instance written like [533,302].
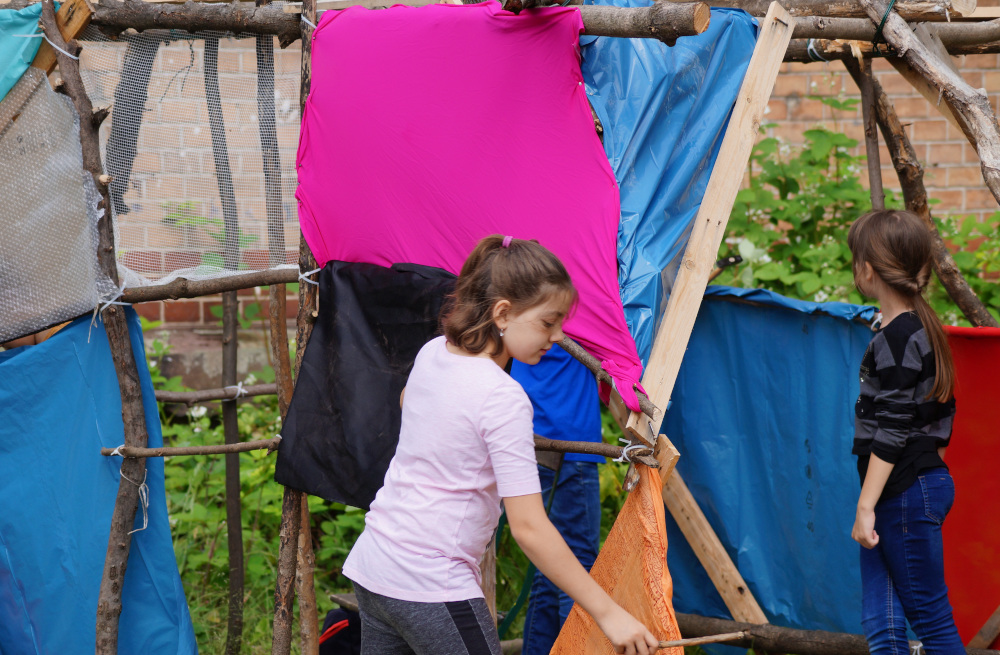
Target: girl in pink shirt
[465,444]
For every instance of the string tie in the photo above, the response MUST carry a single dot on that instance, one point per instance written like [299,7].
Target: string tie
[46,37]
[143,499]
[117,451]
[305,276]
[239,390]
[307,21]
[813,52]
[104,303]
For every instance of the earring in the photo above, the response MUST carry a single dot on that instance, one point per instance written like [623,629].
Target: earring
[501,334]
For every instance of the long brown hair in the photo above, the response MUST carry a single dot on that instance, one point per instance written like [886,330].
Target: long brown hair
[524,273]
[898,246]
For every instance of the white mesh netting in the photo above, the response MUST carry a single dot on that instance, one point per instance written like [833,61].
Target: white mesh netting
[48,217]
[184,146]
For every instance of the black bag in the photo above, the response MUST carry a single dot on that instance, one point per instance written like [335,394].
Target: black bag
[343,423]
[341,634]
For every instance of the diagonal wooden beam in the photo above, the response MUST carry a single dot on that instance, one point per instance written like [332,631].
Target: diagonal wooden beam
[988,633]
[686,296]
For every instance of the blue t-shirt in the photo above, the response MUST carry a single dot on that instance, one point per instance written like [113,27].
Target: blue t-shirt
[564,395]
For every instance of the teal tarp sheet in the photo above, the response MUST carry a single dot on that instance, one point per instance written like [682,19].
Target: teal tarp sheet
[59,404]
[17,52]
[664,112]
[763,415]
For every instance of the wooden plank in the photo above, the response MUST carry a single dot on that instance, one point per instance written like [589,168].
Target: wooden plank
[988,633]
[710,552]
[73,17]
[710,224]
[488,581]
[919,82]
[689,288]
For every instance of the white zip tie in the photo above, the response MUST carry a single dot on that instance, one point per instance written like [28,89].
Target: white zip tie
[143,499]
[46,37]
[812,52]
[240,391]
[117,451]
[305,276]
[916,647]
[103,304]
[307,21]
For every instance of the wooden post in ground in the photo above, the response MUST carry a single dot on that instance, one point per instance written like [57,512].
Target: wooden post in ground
[871,135]
[689,288]
[133,471]
[911,179]
[291,506]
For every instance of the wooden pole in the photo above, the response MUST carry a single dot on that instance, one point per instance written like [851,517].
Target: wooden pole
[207,395]
[699,641]
[242,447]
[790,640]
[911,179]
[133,472]
[988,633]
[822,50]
[910,10]
[971,106]
[291,505]
[871,135]
[664,21]
[183,288]
[689,288]
[230,322]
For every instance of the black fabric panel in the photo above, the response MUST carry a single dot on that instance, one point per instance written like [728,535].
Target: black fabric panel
[343,422]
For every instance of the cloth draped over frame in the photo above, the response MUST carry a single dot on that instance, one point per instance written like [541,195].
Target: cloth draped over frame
[405,156]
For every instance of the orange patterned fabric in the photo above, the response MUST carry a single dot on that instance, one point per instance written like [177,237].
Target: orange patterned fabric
[632,568]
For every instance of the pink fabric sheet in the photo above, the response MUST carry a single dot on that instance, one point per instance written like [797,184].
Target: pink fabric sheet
[429,128]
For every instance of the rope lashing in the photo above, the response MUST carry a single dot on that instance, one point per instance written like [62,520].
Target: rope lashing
[813,52]
[238,389]
[143,498]
[305,276]
[879,37]
[104,303]
[627,451]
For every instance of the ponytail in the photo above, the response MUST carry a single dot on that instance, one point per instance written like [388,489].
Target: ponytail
[897,244]
[944,380]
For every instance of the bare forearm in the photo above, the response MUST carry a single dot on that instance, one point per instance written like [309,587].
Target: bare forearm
[875,479]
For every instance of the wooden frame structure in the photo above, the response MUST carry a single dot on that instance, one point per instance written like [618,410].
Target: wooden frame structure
[809,30]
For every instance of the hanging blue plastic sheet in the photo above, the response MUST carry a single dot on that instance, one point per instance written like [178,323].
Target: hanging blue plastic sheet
[763,414]
[664,112]
[59,405]
[17,51]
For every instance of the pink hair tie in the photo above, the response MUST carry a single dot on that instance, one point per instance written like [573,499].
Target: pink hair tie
[507,240]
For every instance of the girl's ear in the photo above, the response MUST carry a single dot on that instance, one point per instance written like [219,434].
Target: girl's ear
[501,311]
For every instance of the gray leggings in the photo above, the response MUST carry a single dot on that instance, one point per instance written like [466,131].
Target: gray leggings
[401,627]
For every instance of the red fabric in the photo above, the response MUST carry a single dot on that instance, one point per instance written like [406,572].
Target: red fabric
[427,129]
[972,531]
[333,629]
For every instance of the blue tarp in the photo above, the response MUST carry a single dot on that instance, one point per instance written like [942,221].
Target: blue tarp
[17,52]
[59,404]
[664,112]
[763,417]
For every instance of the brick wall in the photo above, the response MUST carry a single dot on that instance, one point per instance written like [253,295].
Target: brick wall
[174,172]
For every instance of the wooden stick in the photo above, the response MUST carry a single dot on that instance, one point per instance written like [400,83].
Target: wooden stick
[184,288]
[971,107]
[988,633]
[697,641]
[581,355]
[130,452]
[871,135]
[710,552]
[109,605]
[911,179]
[910,10]
[208,395]
[291,505]
[663,21]
[305,587]
[822,50]
[772,638]
[591,448]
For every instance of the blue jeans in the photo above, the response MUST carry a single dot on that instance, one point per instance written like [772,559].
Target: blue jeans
[576,513]
[903,576]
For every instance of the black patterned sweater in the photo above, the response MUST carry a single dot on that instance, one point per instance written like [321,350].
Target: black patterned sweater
[894,418]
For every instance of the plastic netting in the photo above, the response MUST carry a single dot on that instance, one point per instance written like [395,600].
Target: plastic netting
[184,144]
[48,217]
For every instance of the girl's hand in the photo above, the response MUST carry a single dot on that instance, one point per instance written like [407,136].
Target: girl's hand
[864,528]
[627,634]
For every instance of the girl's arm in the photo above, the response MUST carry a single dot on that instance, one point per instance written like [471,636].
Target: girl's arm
[547,550]
[864,522]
